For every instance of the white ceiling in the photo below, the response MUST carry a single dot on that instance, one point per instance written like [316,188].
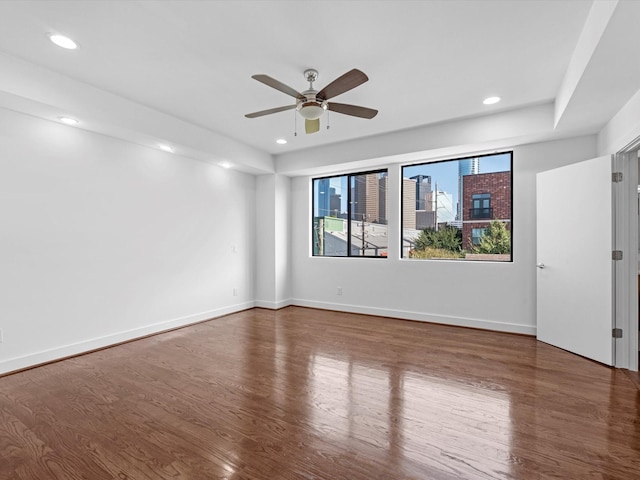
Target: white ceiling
[427,61]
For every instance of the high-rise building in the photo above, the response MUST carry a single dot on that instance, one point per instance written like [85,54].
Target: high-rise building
[365,196]
[408,203]
[468,166]
[323,192]
[423,192]
[327,200]
[335,200]
[383,183]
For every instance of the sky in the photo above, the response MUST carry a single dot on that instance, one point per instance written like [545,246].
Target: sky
[444,174]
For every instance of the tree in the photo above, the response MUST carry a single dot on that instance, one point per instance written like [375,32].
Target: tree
[426,239]
[447,238]
[495,240]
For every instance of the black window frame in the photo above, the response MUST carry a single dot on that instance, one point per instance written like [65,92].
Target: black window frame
[350,203]
[466,157]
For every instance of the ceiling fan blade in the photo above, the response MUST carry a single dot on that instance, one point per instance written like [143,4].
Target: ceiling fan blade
[273,83]
[270,111]
[353,110]
[342,84]
[312,126]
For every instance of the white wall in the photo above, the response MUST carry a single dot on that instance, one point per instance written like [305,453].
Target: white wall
[265,288]
[459,136]
[283,234]
[499,296]
[103,240]
[622,130]
[272,241]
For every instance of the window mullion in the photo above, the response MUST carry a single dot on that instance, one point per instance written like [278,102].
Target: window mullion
[349,212]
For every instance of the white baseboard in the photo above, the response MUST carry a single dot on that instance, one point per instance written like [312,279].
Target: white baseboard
[38,358]
[421,317]
[273,305]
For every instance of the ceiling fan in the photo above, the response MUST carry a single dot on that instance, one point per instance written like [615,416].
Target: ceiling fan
[311,104]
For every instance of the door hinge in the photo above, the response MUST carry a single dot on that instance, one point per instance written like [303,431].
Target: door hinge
[616,177]
[616,255]
[616,333]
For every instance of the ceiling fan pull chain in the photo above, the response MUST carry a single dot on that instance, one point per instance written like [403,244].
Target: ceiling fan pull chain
[328,121]
[295,124]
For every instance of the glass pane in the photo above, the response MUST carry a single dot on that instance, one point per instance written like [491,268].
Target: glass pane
[443,203]
[330,216]
[369,214]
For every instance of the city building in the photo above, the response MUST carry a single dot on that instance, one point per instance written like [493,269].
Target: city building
[367,239]
[486,197]
[441,211]
[324,197]
[468,166]
[424,219]
[423,192]
[383,184]
[409,203]
[365,196]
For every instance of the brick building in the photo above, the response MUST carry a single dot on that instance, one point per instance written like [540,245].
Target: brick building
[486,197]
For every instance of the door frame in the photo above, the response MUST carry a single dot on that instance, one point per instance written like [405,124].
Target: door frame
[625,277]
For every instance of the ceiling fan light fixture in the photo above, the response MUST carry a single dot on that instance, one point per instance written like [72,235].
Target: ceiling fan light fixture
[311,110]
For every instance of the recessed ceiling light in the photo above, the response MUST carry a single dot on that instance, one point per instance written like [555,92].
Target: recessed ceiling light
[225,164]
[68,120]
[64,42]
[166,148]
[491,100]
[281,141]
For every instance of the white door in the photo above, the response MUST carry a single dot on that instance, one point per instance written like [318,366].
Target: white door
[575,267]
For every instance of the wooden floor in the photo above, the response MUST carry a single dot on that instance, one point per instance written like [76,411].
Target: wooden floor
[308,394]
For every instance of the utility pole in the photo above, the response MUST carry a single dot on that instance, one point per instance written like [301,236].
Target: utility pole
[363,242]
[435,214]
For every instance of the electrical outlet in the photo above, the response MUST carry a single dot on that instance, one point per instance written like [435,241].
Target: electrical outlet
[339,291]
[235,292]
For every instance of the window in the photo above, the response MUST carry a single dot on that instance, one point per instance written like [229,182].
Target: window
[481,206]
[458,209]
[476,235]
[350,215]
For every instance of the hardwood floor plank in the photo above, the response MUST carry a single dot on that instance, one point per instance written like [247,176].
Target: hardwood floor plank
[306,394]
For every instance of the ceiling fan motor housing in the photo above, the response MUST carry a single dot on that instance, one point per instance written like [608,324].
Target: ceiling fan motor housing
[310,108]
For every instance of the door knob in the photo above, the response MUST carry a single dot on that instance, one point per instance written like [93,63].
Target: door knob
[540,265]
